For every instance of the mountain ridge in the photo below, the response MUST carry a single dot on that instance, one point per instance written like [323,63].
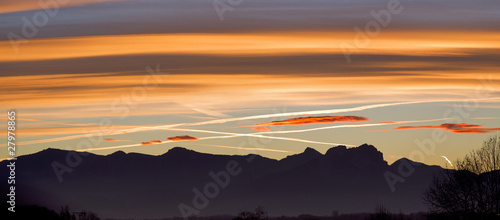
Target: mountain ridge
[307,182]
[307,150]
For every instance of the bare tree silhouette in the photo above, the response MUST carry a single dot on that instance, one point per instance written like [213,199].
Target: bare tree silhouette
[86,215]
[65,214]
[381,213]
[472,191]
[259,214]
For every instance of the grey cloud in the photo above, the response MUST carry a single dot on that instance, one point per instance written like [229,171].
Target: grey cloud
[310,65]
[199,16]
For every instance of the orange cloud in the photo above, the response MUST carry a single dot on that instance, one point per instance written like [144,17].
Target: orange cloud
[261,129]
[151,142]
[309,120]
[182,138]
[8,6]
[461,128]
[20,119]
[110,139]
[427,42]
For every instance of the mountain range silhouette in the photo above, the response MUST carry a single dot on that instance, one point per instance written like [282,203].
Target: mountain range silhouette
[133,185]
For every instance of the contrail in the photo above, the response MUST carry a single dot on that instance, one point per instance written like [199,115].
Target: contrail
[71,137]
[329,111]
[227,135]
[108,148]
[290,114]
[216,121]
[232,135]
[484,118]
[348,126]
[173,128]
[250,148]
[447,160]
[259,134]
[211,145]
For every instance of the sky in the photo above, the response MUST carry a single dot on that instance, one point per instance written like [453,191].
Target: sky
[417,79]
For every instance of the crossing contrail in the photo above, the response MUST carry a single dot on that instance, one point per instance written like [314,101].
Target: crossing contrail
[250,148]
[259,134]
[218,121]
[349,126]
[228,135]
[232,135]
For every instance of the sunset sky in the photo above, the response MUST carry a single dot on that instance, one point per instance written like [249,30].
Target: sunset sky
[270,77]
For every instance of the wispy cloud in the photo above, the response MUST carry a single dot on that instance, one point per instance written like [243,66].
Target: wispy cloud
[19,119]
[486,118]
[110,139]
[8,6]
[462,128]
[206,111]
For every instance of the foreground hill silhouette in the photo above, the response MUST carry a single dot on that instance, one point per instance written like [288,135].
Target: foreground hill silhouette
[135,185]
